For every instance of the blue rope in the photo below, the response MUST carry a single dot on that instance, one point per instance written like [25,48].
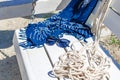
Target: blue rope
[52,29]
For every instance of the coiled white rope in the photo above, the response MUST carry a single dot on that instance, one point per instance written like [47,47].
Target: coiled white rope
[86,64]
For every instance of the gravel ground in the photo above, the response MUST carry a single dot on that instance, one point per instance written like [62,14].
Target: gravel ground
[9,69]
[113,46]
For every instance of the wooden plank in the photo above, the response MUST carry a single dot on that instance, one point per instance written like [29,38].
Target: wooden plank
[20,8]
[19,57]
[48,6]
[15,11]
[112,20]
[4,3]
[14,8]
[33,63]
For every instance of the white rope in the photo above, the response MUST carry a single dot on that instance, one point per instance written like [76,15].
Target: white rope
[83,65]
[88,63]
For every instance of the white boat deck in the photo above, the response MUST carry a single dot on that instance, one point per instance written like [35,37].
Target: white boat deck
[36,63]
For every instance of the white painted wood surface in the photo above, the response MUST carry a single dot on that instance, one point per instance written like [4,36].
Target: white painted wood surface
[20,8]
[112,20]
[35,64]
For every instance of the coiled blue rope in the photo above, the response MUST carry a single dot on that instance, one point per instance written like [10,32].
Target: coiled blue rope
[52,29]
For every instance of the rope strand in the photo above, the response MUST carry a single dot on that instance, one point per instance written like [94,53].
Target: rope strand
[77,65]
